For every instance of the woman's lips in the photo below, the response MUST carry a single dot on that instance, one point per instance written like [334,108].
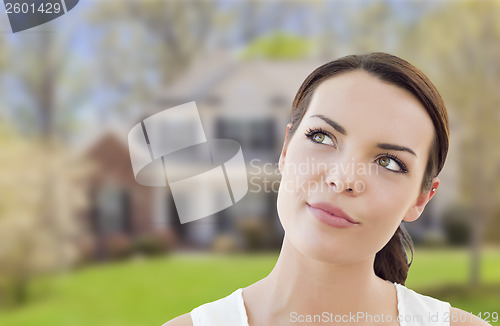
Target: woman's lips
[331,215]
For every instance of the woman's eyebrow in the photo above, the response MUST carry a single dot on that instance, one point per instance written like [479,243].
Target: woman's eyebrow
[332,123]
[341,129]
[396,148]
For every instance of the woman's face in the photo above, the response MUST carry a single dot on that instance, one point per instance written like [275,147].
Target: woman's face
[360,151]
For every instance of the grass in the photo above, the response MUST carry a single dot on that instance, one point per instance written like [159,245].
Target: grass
[444,274]
[153,291]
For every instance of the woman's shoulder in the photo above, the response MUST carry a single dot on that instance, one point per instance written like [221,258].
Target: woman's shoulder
[413,304]
[229,310]
[182,320]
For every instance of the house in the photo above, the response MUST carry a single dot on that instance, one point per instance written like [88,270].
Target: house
[248,101]
[121,211]
[245,101]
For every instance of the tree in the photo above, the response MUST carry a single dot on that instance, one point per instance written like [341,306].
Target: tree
[42,182]
[459,44]
[279,46]
[42,193]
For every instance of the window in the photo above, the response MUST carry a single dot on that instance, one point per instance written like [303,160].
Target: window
[112,214]
[255,135]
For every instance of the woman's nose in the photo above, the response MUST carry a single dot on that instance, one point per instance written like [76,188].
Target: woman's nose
[343,177]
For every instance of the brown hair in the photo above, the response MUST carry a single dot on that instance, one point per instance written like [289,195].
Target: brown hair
[391,262]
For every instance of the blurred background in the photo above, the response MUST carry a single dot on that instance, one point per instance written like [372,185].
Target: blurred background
[81,243]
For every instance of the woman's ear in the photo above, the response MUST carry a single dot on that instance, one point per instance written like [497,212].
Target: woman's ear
[283,150]
[416,210]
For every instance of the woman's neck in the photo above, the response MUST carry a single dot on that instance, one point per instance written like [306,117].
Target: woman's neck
[300,285]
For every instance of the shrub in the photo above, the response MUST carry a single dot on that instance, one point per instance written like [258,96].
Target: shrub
[118,246]
[156,243]
[457,226]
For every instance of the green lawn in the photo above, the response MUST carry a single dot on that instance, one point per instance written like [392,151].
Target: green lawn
[153,291]
[443,273]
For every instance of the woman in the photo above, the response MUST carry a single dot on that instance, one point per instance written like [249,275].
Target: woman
[369,135]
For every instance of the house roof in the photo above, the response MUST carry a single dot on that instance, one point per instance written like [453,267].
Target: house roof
[218,74]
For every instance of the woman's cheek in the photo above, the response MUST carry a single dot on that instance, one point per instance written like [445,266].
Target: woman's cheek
[393,203]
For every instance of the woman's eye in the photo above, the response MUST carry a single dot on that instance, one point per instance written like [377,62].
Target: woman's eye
[321,138]
[390,164]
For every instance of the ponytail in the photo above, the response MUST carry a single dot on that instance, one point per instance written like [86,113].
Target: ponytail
[391,262]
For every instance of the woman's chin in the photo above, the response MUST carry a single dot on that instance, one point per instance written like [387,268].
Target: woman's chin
[322,248]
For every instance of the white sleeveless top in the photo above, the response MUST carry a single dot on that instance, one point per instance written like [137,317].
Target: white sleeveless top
[413,309]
